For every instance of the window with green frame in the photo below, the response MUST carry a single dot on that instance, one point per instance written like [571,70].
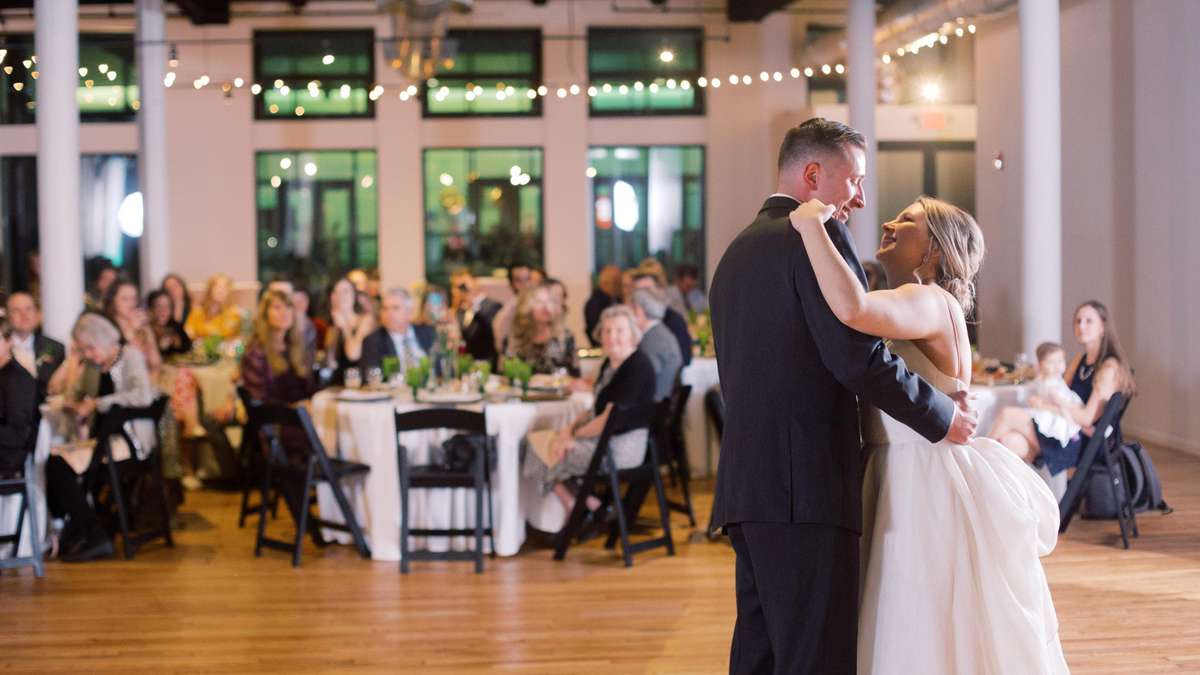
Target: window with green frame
[647,201]
[107,91]
[483,209]
[649,71]
[314,74]
[486,72]
[317,214]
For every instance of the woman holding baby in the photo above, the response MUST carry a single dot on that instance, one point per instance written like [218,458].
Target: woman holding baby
[1068,399]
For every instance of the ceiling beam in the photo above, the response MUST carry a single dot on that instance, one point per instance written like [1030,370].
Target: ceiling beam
[753,10]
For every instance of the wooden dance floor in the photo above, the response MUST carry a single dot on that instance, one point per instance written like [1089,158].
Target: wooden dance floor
[209,605]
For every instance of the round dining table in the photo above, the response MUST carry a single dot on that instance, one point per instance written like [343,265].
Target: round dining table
[360,426]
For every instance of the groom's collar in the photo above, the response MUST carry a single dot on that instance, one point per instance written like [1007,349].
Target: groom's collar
[779,201]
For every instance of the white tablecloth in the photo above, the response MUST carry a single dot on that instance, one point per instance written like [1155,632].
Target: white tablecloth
[990,400]
[698,435]
[365,432]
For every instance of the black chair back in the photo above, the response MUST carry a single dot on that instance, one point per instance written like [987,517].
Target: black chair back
[20,483]
[114,423]
[1098,451]
[442,418]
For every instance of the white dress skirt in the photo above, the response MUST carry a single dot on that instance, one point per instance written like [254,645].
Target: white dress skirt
[952,580]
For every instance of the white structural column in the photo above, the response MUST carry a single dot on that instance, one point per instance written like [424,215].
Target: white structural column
[861,97]
[152,141]
[1041,174]
[56,42]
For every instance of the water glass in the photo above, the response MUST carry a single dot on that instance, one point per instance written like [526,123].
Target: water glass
[352,378]
[374,377]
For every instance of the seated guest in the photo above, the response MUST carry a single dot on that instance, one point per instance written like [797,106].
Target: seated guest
[435,313]
[123,307]
[1094,376]
[181,299]
[112,375]
[168,333]
[519,275]
[308,326]
[671,319]
[36,353]
[18,406]
[655,269]
[349,325]
[103,274]
[396,335]
[685,295]
[558,293]
[657,342]
[474,311]
[626,379]
[216,315]
[627,282]
[606,294]
[876,277]
[275,366]
[539,336]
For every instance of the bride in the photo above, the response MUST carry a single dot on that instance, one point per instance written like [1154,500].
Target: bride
[951,580]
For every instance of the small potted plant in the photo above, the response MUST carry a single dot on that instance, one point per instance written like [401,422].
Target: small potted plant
[483,369]
[518,371]
[417,376]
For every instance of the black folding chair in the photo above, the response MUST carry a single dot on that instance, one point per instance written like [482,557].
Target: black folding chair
[20,484]
[118,421]
[1101,451]
[295,464]
[604,480]
[426,477]
[253,462]
[668,434]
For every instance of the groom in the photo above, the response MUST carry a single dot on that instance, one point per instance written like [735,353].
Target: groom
[789,481]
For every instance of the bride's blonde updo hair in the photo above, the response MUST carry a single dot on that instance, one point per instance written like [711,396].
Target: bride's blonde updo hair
[956,234]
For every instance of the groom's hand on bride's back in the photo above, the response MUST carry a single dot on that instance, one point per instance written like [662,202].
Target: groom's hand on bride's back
[962,428]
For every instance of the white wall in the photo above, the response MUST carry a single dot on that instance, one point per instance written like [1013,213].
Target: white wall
[212,139]
[1131,167]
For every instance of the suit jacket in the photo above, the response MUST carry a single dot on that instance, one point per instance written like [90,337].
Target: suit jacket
[678,326]
[792,376]
[663,351]
[50,355]
[379,344]
[478,335]
[18,415]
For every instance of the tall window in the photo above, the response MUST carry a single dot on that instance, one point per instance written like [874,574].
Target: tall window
[107,91]
[314,74]
[483,209]
[647,201]
[110,216]
[646,71]
[317,214]
[486,72]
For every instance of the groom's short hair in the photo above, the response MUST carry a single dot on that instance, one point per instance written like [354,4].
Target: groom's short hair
[815,138]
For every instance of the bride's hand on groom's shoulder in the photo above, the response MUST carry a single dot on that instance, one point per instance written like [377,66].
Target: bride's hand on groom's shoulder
[811,212]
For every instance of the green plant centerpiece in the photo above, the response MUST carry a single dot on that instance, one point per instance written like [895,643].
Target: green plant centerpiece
[484,370]
[703,328]
[518,371]
[390,366]
[464,364]
[212,347]
[418,375]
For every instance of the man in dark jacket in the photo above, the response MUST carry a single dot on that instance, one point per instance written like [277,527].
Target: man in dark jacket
[36,353]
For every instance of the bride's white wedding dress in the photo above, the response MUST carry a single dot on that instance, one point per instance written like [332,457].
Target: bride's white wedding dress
[952,582]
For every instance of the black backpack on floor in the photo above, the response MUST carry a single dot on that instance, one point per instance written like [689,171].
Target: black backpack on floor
[1141,479]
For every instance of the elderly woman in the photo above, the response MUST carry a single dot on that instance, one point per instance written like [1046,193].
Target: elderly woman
[1101,371]
[123,306]
[276,365]
[626,379]
[216,315]
[349,324]
[538,334]
[110,375]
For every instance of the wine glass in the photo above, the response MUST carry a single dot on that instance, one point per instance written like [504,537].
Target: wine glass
[352,378]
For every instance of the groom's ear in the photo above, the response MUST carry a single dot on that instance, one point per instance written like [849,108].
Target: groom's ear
[811,175]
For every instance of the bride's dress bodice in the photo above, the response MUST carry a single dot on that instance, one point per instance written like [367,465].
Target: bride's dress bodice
[879,428]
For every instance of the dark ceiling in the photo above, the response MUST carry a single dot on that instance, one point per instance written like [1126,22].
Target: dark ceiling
[218,11]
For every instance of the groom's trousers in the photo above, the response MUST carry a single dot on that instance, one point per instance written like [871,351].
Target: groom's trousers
[797,599]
